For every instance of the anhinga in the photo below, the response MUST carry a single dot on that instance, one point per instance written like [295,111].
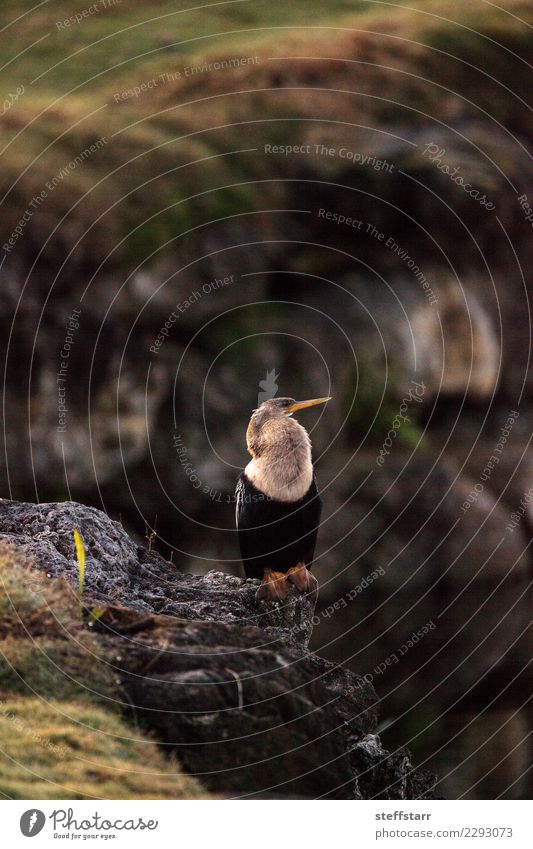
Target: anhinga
[278,506]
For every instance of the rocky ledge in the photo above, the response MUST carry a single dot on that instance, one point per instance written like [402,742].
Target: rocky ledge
[228,687]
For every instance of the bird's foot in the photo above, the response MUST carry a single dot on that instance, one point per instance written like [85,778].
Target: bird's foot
[273,587]
[303,580]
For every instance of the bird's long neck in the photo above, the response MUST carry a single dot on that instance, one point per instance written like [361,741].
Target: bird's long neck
[281,467]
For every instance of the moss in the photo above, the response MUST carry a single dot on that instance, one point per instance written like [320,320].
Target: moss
[24,591]
[231,200]
[141,240]
[144,236]
[45,646]
[171,36]
[376,408]
[161,142]
[65,749]
[61,735]
[68,666]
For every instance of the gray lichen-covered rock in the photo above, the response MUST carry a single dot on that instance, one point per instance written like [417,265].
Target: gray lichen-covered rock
[372,765]
[228,686]
[120,571]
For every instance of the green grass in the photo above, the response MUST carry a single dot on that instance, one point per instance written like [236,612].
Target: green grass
[61,732]
[133,41]
[373,405]
[145,168]
[124,39]
[45,647]
[63,749]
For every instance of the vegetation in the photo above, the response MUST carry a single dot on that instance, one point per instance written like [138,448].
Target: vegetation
[132,193]
[61,734]
[61,749]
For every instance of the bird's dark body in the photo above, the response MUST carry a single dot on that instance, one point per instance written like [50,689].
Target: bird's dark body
[275,535]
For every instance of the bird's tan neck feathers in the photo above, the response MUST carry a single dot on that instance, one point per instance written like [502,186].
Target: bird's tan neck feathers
[281,467]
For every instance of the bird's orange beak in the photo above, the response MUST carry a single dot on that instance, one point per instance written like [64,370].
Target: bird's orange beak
[301,405]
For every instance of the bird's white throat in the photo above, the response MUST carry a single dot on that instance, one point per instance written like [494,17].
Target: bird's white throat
[283,469]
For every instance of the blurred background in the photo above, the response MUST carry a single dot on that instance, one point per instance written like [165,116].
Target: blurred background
[306,199]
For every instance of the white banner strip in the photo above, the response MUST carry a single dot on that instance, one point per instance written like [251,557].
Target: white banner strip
[230,824]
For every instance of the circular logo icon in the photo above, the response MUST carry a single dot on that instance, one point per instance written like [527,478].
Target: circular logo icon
[32,822]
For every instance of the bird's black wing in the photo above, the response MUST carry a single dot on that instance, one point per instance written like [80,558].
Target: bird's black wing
[244,519]
[272,534]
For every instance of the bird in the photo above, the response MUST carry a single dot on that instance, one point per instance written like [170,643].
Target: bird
[278,506]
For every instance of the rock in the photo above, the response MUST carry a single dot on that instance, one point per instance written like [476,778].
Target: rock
[456,345]
[245,713]
[118,570]
[228,687]
[370,762]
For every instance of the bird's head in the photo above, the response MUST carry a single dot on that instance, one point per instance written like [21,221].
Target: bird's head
[275,407]
[269,421]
